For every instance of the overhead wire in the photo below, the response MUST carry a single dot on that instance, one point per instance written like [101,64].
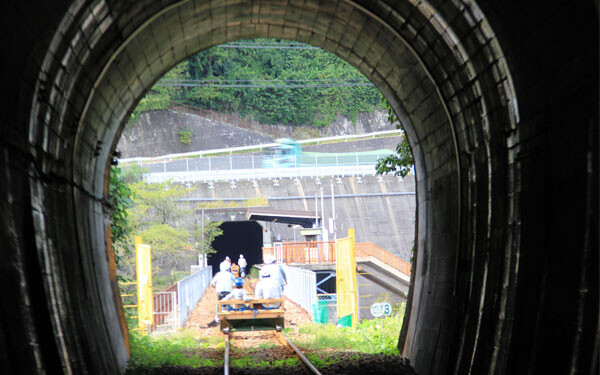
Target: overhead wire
[276,83]
[263,85]
[267,46]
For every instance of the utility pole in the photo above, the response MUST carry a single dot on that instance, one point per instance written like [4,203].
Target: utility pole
[316,211]
[333,212]
[323,226]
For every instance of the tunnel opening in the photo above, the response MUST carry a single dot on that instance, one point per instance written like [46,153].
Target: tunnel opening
[239,237]
[481,165]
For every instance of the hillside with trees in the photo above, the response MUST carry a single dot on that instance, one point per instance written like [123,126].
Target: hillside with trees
[271,81]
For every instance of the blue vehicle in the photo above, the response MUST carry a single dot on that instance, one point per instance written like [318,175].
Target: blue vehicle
[289,154]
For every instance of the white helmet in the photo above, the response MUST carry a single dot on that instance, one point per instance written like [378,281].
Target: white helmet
[269,258]
[224,267]
[241,255]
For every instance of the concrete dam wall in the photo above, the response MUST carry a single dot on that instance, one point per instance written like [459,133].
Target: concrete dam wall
[381,209]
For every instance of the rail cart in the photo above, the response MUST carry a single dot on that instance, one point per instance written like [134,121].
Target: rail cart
[238,315]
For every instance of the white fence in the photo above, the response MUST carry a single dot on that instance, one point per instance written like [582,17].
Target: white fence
[260,147]
[264,173]
[301,287]
[190,290]
[166,317]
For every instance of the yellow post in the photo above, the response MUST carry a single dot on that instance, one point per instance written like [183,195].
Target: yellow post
[345,268]
[144,283]
[354,276]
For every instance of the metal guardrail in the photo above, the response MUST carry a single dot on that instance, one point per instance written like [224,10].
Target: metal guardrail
[301,287]
[257,148]
[365,249]
[190,290]
[323,252]
[266,173]
[166,317]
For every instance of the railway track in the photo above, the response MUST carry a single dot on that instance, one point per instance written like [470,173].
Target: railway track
[308,367]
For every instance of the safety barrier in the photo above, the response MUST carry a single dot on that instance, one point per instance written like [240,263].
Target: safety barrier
[166,318]
[324,252]
[301,287]
[190,290]
[260,174]
[303,252]
[365,249]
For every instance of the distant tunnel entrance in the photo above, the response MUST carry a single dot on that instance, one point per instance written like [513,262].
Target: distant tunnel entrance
[239,237]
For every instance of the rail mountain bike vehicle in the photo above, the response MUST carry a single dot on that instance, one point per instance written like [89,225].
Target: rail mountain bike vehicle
[239,315]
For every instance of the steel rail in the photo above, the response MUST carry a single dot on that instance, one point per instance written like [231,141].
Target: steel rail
[309,368]
[226,357]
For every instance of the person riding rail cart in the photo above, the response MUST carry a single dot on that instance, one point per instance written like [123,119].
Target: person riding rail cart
[267,288]
[238,293]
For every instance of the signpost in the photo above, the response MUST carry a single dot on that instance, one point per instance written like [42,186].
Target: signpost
[381,309]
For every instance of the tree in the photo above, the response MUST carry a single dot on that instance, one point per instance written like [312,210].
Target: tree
[157,203]
[120,198]
[402,162]
[301,75]
[205,235]
[159,220]
[159,97]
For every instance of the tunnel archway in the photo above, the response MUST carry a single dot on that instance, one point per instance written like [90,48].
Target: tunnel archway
[239,237]
[480,108]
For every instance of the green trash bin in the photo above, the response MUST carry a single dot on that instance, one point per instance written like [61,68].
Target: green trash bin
[345,321]
[321,312]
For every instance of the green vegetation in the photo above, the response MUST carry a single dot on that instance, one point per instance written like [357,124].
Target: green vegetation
[160,96]
[271,85]
[250,361]
[402,161]
[371,336]
[185,348]
[120,197]
[152,212]
[253,273]
[172,350]
[185,136]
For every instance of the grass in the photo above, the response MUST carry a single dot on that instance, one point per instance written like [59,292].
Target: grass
[250,361]
[173,350]
[185,348]
[371,336]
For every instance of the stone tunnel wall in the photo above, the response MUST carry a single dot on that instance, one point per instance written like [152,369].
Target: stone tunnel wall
[500,104]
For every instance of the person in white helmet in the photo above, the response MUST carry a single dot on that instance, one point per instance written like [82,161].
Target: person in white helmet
[242,263]
[223,283]
[267,288]
[225,263]
[275,270]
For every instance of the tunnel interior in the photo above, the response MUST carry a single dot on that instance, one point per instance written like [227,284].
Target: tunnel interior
[483,97]
[239,237]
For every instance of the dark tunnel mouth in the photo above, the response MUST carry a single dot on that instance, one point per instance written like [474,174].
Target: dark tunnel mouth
[231,243]
[434,113]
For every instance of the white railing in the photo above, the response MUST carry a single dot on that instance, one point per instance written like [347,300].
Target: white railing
[166,317]
[301,287]
[257,174]
[259,147]
[190,290]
